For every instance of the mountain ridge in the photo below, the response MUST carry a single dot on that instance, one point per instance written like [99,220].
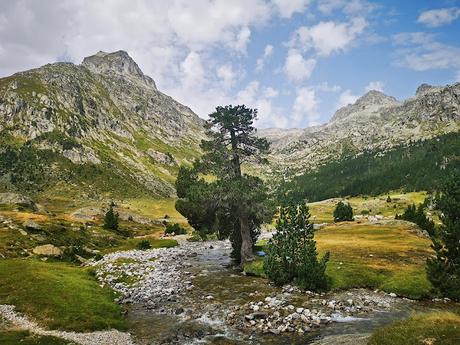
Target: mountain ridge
[374,121]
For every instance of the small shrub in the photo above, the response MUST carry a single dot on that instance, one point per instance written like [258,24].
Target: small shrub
[343,212]
[388,199]
[143,245]
[291,253]
[175,229]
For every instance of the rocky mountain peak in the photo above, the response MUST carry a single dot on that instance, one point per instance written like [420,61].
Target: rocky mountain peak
[424,88]
[115,64]
[366,105]
[375,97]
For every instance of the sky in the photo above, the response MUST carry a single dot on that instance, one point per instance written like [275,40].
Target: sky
[296,61]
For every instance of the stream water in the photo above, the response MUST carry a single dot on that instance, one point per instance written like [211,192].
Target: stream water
[202,312]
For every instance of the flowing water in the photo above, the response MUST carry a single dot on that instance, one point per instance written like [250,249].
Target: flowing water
[201,312]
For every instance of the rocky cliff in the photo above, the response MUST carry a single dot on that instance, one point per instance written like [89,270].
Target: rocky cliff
[374,122]
[104,115]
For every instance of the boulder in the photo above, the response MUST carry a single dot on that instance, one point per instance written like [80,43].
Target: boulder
[17,199]
[31,225]
[47,250]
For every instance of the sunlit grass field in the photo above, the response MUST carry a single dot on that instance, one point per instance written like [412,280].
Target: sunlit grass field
[390,257]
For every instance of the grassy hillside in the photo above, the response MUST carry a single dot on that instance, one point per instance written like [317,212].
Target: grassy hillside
[418,166]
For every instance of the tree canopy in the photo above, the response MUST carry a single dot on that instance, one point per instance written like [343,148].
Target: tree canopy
[231,203]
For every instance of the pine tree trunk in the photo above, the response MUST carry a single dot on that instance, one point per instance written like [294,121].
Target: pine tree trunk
[246,240]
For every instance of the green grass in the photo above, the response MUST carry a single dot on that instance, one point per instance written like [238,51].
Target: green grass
[386,257]
[321,211]
[426,329]
[26,338]
[58,295]
[131,243]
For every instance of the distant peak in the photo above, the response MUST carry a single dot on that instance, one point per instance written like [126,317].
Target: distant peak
[424,88]
[366,104]
[375,97]
[116,63]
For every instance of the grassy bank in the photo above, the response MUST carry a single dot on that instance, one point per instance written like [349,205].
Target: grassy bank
[388,257]
[58,295]
[26,338]
[434,328]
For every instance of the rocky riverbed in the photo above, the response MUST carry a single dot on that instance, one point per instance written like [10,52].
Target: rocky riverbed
[194,287]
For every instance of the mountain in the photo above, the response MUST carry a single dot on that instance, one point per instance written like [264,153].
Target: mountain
[375,122]
[95,128]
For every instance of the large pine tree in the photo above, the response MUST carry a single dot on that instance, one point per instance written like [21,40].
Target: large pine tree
[231,203]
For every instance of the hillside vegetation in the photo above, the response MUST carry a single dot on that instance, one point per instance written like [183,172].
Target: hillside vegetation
[414,167]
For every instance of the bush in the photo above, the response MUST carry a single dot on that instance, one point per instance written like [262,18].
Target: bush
[111,219]
[143,245]
[291,253]
[343,212]
[175,229]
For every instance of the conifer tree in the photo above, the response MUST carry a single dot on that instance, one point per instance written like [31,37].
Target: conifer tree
[111,219]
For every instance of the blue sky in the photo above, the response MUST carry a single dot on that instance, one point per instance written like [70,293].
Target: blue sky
[297,61]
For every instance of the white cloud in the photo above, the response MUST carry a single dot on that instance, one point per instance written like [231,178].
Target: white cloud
[420,51]
[329,37]
[193,71]
[346,98]
[349,7]
[375,85]
[242,40]
[325,87]
[254,97]
[271,92]
[260,63]
[287,8]
[226,75]
[438,17]
[305,107]
[296,67]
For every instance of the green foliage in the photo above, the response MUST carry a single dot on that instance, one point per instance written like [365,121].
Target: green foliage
[175,229]
[111,219]
[291,253]
[143,245]
[58,295]
[233,205]
[343,212]
[413,167]
[417,215]
[444,269]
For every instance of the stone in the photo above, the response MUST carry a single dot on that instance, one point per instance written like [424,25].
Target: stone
[47,250]
[31,225]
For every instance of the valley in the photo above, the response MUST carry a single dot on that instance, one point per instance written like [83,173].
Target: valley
[78,142]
